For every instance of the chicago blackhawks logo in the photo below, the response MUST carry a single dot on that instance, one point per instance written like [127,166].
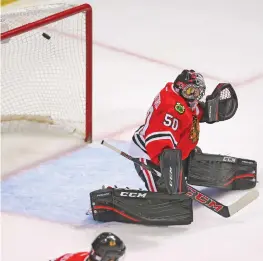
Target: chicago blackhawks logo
[195,130]
[112,243]
[179,108]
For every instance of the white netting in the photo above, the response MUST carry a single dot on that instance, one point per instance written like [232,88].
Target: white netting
[43,81]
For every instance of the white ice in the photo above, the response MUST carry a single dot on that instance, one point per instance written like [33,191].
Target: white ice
[223,40]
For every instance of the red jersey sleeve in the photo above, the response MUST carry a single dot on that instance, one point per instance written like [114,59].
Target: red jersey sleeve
[80,256]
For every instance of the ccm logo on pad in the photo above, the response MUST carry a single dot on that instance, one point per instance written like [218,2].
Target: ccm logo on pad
[229,159]
[133,194]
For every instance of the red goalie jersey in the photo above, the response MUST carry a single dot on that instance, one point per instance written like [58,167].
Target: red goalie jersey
[80,256]
[170,123]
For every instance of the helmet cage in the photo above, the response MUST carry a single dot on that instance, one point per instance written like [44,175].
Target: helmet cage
[193,92]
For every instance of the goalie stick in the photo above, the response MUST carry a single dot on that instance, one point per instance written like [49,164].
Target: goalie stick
[212,204]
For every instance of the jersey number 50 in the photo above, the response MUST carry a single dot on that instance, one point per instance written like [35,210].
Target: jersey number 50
[170,121]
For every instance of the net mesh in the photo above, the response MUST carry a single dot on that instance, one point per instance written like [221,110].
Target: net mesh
[43,80]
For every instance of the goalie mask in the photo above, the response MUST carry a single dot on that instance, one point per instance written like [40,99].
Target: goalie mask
[190,85]
[107,247]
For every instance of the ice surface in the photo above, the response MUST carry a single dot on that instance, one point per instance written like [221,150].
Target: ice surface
[43,208]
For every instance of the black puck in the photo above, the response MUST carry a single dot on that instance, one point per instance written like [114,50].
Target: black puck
[46,36]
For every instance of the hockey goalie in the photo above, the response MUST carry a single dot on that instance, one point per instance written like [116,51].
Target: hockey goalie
[167,144]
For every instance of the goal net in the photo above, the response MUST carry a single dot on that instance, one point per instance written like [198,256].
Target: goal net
[46,69]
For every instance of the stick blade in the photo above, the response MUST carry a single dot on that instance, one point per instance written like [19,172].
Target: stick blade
[243,202]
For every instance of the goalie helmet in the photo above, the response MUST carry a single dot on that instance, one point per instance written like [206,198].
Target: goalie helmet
[190,85]
[107,247]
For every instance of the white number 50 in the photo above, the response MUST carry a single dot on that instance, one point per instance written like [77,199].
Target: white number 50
[170,121]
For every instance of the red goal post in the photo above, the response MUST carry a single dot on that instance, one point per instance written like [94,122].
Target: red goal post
[46,68]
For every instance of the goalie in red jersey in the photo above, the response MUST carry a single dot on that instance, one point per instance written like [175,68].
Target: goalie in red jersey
[170,135]
[167,144]
[106,247]
[171,125]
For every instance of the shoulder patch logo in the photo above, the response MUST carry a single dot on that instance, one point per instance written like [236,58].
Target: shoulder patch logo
[179,108]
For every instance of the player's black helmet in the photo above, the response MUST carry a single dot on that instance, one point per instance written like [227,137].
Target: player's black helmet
[107,247]
[190,85]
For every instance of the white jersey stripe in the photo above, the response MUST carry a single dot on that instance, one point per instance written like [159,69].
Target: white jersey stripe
[148,177]
[162,135]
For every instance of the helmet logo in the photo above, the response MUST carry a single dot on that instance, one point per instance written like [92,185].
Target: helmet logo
[112,243]
[190,91]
